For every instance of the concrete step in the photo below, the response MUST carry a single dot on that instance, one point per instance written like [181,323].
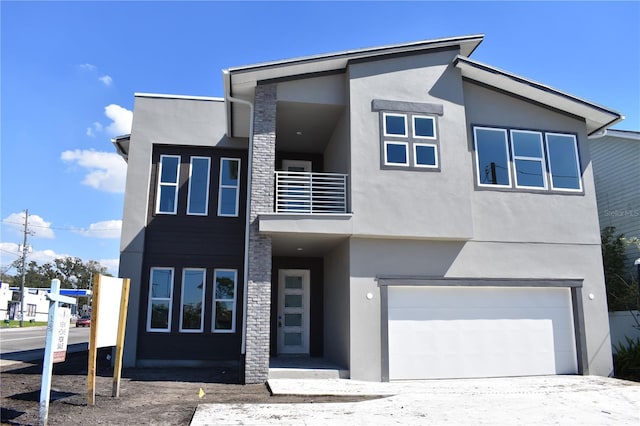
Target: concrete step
[307,373]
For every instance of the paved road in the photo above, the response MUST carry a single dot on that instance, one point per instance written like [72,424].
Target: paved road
[27,344]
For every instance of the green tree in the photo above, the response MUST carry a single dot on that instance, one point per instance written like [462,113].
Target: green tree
[622,293]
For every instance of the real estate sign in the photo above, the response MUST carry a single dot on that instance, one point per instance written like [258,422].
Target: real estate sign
[61,334]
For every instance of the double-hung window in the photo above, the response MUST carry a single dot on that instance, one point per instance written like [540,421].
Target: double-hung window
[224,300]
[198,199]
[160,300]
[192,306]
[229,190]
[167,198]
[502,153]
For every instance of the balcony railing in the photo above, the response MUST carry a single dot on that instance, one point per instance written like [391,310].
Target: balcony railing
[304,192]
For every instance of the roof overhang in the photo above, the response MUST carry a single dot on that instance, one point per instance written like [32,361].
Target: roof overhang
[122,145]
[240,82]
[597,117]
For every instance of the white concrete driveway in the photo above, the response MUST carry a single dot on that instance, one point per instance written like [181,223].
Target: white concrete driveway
[561,400]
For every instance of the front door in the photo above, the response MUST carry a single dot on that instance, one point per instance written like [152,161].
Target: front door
[293,311]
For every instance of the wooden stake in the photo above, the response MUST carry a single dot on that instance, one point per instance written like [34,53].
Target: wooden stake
[122,321]
[93,349]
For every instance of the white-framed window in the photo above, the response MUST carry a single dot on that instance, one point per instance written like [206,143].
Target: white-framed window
[168,176]
[224,300]
[552,166]
[395,124]
[160,299]
[229,189]
[192,300]
[198,198]
[492,157]
[564,163]
[424,127]
[31,310]
[409,141]
[396,153]
[528,159]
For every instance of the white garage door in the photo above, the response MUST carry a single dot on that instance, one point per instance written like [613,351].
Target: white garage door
[458,332]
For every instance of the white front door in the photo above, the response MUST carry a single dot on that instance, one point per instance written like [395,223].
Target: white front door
[293,311]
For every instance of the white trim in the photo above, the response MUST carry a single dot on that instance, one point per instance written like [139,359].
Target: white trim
[235,297]
[221,186]
[206,203]
[406,149]
[433,121]
[204,285]
[384,125]
[540,160]
[577,161]
[151,299]
[506,147]
[415,155]
[160,184]
[187,97]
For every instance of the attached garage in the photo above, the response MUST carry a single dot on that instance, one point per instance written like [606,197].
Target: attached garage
[470,331]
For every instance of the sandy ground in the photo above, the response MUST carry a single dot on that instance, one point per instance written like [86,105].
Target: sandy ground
[147,396]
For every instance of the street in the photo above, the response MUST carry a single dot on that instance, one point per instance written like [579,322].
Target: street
[28,343]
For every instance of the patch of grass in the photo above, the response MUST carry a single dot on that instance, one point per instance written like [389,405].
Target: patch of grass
[16,323]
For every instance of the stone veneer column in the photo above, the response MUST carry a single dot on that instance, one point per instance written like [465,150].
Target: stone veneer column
[259,276]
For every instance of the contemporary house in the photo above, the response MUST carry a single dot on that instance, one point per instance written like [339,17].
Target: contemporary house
[403,212]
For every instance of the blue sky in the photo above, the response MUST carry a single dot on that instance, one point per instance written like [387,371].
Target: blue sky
[69,70]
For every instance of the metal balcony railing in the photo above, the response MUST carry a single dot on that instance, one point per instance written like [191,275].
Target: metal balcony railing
[304,192]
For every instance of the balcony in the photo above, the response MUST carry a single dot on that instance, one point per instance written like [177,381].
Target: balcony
[310,193]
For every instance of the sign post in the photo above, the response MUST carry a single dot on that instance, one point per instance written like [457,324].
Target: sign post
[56,343]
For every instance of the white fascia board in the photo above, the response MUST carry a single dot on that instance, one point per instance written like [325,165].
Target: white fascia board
[186,97]
[596,117]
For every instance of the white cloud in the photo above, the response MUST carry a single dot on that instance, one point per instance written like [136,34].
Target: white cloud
[112,265]
[107,171]
[38,256]
[95,126]
[121,120]
[105,229]
[87,67]
[106,79]
[38,227]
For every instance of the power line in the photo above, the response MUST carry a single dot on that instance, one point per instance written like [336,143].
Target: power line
[60,228]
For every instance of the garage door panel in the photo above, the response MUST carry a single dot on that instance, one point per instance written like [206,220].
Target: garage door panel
[479,332]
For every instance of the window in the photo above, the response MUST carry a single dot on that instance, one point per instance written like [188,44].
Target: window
[160,300]
[229,190]
[167,201]
[564,166]
[528,159]
[532,166]
[224,300]
[409,141]
[198,199]
[492,157]
[31,310]
[191,308]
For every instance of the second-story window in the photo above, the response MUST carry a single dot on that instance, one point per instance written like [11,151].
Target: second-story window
[167,201]
[229,190]
[198,199]
[409,140]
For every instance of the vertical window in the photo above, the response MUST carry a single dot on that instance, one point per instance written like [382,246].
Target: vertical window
[160,299]
[229,190]
[424,127]
[31,310]
[168,173]
[528,159]
[198,199]
[425,155]
[396,153]
[564,165]
[224,300]
[492,157]
[395,125]
[191,308]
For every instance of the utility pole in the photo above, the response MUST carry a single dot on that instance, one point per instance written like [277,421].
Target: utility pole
[25,250]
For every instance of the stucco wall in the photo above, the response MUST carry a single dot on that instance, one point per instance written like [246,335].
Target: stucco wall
[409,203]
[336,305]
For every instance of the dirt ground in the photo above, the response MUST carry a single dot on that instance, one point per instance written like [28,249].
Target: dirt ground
[147,396]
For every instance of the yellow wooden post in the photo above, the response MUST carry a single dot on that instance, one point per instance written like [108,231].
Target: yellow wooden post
[122,321]
[93,343]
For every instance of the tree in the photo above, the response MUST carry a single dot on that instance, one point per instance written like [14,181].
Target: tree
[622,294]
[71,271]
